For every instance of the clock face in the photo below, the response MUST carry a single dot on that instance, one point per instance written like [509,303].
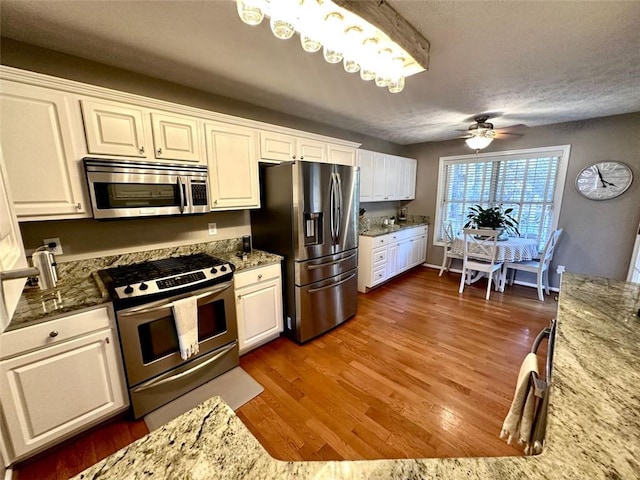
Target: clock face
[604,180]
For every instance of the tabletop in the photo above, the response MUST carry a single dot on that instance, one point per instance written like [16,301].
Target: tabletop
[514,249]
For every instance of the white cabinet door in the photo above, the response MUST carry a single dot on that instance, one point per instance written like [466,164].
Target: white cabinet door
[379,160]
[341,155]
[391,174]
[45,176]
[12,255]
[258,306]
[176,137]
[233,166]
[311,150]
[404,256]
[276,146]
[409,180]
[55,391]
[114,129]
[367,175]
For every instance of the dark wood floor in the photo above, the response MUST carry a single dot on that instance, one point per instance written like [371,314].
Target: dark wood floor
[419,372]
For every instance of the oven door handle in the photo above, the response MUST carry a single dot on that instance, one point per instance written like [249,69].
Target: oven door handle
[155,308]
[161,381]
[326,264]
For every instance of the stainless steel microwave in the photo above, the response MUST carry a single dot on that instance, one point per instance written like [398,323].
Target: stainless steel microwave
[127,189]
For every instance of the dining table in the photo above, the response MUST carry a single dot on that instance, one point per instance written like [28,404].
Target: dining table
[512,249]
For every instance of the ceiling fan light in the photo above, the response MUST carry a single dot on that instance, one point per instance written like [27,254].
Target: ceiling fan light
[250,11]
[478,142]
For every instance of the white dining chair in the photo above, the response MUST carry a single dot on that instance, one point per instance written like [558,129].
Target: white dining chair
[540,266]
[448,255]
[480,247]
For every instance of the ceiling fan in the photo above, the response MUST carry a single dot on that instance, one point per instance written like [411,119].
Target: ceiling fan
[481,134]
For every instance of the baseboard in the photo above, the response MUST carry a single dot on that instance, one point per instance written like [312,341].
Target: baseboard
[517,282]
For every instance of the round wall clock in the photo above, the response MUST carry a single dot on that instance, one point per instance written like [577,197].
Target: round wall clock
[604,180]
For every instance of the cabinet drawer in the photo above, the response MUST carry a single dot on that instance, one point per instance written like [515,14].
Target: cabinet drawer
[380,240]
[255,275]
[54,331]
[379,275]
[379,256]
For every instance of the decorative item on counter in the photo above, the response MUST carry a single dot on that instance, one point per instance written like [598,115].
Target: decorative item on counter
[402,216]
[361,212]
[392,220]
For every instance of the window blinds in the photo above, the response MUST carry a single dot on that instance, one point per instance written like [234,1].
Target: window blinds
[524,181]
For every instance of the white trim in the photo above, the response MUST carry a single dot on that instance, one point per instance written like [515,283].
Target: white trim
[78,88]
[562,151]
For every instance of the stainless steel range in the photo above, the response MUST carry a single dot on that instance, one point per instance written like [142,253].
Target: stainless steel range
[143,296]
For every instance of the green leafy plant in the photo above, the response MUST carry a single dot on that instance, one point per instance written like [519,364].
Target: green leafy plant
[492,217]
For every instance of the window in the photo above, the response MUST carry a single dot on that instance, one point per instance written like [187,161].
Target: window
[529,181]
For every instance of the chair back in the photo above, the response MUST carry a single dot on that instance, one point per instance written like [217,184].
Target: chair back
[547,254]
[480,244]
[448,234]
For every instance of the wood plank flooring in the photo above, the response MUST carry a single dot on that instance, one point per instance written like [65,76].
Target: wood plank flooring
[419,372]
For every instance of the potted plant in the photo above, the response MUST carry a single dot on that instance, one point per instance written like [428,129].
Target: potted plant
[492,217]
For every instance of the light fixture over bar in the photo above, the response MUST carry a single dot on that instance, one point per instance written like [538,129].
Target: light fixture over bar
[349,32]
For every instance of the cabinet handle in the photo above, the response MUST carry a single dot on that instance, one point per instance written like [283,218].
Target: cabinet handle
[215,202]
[239,297]
[53,333]
[301,157]
[141,149]
[259,276]
[160,151]
[79,206]
[107,341]
[294,157]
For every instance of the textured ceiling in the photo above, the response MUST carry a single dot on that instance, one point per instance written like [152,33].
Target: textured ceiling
[526,62]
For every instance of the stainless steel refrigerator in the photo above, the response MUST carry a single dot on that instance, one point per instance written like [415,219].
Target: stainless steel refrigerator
[309,215]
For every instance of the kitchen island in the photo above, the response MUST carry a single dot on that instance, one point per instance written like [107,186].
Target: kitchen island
[593,428]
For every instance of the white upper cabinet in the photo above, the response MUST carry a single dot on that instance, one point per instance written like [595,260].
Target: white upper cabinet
[113,129]
[341,154]
[176,137]
[365,162]
[119,129]
[311,150]
[233,166]
[386,177]
[285,148]
[37,137]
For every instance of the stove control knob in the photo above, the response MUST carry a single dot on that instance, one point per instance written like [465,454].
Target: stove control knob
[143,286]
[128,290]
[214,270]
[223,268]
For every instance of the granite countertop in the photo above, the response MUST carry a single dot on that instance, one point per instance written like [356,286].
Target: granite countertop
[593,428]
[377,230]
[79,287]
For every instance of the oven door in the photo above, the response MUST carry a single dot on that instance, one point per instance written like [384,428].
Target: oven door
[149,339]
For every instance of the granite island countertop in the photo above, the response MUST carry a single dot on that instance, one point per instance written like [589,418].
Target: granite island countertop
[80,288]
[593,428]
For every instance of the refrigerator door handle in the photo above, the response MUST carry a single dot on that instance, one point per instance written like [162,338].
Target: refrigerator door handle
[333,200]
[335,262]
[339,215]
[319,289]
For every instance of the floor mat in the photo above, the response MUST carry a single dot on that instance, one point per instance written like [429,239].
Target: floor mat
[235,387]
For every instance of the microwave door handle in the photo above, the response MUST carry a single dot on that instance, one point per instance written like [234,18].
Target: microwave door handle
[181,192]
[162,306]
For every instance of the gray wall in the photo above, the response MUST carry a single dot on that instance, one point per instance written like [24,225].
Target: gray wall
[598,236]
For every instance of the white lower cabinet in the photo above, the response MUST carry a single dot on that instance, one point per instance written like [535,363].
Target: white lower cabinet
[258,306]
[51,392]
[385,256]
